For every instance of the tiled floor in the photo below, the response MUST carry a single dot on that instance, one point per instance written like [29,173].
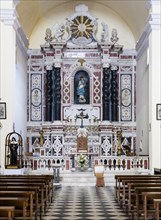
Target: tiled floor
[84,203]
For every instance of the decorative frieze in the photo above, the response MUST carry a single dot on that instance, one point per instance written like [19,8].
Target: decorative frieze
[126,97]
[36,97]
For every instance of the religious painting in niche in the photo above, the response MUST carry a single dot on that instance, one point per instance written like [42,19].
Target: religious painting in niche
[81,87]
[36,97]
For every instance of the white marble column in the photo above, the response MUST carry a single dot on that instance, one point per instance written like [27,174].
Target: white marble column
[9,81]
[148,87]
[154,83]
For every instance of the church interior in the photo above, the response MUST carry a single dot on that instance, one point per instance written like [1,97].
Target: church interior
[81,108]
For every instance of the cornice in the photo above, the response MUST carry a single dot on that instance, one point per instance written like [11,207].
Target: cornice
[22,42]
[16,2]
[153,23]
[10,17]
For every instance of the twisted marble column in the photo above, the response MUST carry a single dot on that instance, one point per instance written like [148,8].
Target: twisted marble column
[114,94]
[106,93]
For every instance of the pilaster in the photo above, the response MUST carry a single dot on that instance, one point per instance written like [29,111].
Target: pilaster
[154,83]
[9,24]
[154,22]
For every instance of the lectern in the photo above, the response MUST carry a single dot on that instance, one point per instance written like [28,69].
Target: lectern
[99,173]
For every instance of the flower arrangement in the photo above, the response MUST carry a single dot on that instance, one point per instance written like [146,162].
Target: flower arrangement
[82,160]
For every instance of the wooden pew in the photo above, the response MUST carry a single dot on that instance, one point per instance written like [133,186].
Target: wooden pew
[157,171]
[130,195]
[138,207]
[27,184]
[126,194]
[28,194]
[119,178]
[20,203]
[48,179]
[46,182]
[126,187]
[147,200]
[157,207]
[35,189]
[7,212]
[48,189]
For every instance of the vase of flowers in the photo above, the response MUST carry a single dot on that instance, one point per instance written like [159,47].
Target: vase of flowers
[82,160]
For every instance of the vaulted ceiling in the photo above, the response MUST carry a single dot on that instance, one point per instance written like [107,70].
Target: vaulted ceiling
[133,12]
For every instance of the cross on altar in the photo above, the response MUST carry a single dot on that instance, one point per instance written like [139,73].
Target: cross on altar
[82,116]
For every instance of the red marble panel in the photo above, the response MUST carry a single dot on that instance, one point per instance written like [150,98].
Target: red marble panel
[35,164]
[128,164]
[42,153]
[67,165]
[145,164]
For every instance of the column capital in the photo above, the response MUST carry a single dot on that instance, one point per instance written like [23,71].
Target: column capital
[106,64]
[49,66]
[114,66]
[57,64]
[10,17]
[16,2]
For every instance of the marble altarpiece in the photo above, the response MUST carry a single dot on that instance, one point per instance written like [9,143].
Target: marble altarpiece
[79,81]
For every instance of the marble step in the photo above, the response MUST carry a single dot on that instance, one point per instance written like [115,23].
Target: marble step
[84,179]
[88,178]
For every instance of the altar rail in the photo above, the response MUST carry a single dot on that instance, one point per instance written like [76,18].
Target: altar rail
[125,163]
[137,163]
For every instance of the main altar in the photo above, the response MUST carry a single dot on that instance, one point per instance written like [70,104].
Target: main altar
[82,98]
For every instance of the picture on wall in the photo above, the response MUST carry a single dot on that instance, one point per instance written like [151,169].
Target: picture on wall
[158,111]
[2,110]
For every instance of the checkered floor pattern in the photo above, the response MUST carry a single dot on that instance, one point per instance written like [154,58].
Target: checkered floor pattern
[84,203]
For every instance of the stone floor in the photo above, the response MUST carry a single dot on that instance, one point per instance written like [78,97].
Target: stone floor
[85,203]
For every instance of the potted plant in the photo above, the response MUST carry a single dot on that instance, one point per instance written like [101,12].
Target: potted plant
[82,160]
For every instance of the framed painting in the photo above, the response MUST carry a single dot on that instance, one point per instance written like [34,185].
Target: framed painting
[2,110]
[158,111]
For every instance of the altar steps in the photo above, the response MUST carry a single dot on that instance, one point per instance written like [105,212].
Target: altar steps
[86,178]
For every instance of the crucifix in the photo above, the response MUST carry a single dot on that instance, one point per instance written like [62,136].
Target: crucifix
[82,116]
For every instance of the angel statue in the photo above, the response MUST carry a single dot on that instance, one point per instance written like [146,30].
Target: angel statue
[48,36]
[59,30]
[114,37]
[105,32]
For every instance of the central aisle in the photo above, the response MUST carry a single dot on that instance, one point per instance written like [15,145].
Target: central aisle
[84,203]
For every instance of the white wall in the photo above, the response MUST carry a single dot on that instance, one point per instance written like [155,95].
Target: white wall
[20,98]
[142,103]
[104,14]
[13,78]
[154,98]
[7,78]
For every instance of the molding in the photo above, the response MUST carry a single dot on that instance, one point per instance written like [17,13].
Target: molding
[142,49]
[23,37]
[150,3]
[16,2]
[143,42]
[155,21]
[22,42]
[9,17]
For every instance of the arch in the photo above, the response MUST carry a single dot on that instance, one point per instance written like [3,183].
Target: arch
[76,67]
